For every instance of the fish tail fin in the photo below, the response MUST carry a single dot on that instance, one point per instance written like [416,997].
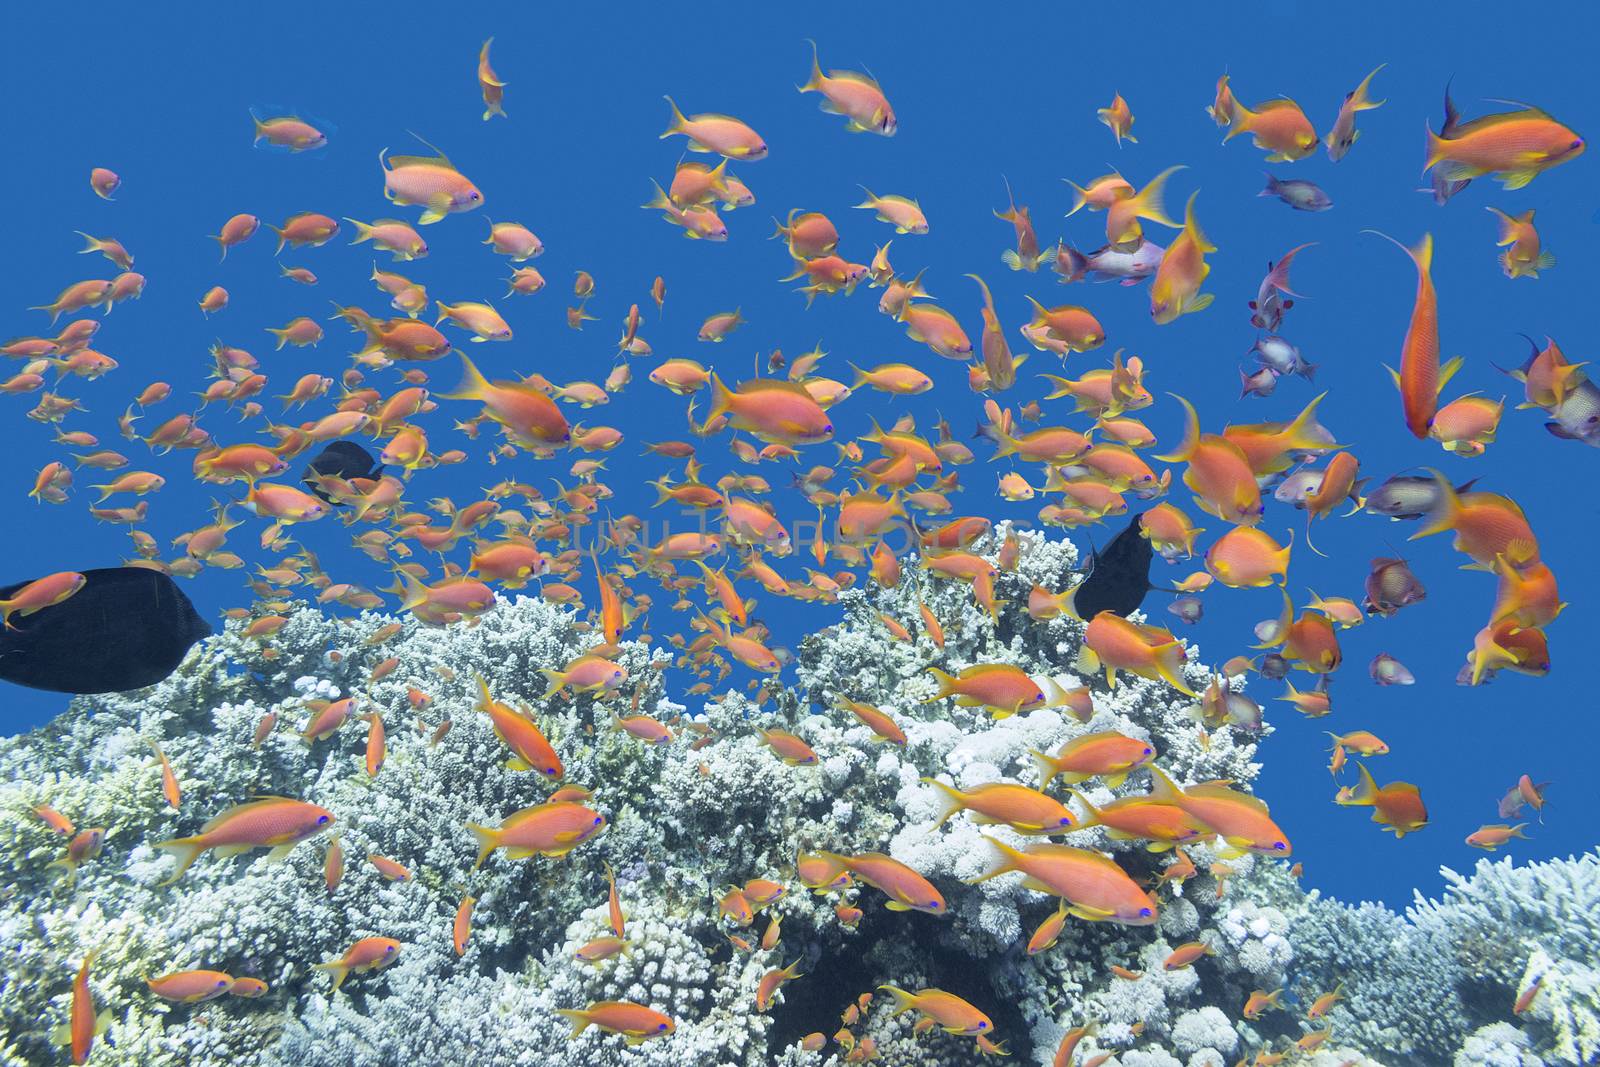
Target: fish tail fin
[1004,864]
[1278,276]
[678,121]
[1448,371]
[363,233]
[557,681]
[1240,119]
[488,841]
[871,202]
[1191,226]
[1508,232]
[1446,510]
[579,1018]
[1300,433]
[473,384]
[1191,434]
[1046,766]
[1422,253]
[1437,147]
[337,969]
[413,593]
[1361,99]
[947,684]
[1163,790]
[813,83]
[903,1001]
[953,798]
[1169,660]
[1364,791]
[660,202]
[721,398]
[1080,196]
[1147,201]
[188,850]
[1088,806]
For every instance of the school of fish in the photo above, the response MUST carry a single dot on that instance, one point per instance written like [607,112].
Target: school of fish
[451,559]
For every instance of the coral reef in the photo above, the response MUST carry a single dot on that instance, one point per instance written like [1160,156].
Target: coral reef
[714,807]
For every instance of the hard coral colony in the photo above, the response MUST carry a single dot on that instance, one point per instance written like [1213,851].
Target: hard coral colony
[990,809]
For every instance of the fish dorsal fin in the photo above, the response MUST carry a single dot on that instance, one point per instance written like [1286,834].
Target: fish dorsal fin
[1220,791]
[440,160]
[240,809]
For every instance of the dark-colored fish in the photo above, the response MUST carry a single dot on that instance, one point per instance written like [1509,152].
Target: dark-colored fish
[1119,575]
[1443,188]
[1408,496]
[1298,193]
[1386,670]
[1107,263]
[342,459]
[128,627]
[1391,586]
[1187,608]
[1273,666]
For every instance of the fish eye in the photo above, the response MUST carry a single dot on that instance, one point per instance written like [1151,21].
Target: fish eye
[1279,846]
[934,904]
[661,1026]
[321,819]
[1145,913]
[597,820]
[982,1025]
[1578,143]
[1148,750]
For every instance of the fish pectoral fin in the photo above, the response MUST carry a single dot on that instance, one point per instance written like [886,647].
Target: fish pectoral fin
[1199,303]
[895,905]
[280,852]
[1089,914]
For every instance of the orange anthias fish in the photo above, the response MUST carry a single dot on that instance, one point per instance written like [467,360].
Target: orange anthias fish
[1486,525]
[1398,805]
[1000,687]
[277,823]
[551,829]
[947,1011]
[635,1022]
[1113,643]
[1093,885]
[1420,377]
[1524,258]
[906,889]
[1025,810]
[1516,145]
[855,96]
[1279,126]
[1175,289]
[1217,472]
[530,750]
[1119,117]
[1238,818]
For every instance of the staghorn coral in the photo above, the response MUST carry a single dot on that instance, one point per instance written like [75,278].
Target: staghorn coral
[713,808]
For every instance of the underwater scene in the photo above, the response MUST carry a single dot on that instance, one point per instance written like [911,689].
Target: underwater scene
[622,536]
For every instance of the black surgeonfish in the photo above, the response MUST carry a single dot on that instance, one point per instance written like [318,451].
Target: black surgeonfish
[128,627]
[1119,575]
[342,459]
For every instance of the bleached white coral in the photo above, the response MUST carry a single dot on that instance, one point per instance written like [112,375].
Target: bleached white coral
[1207,1027]
[1497,1045]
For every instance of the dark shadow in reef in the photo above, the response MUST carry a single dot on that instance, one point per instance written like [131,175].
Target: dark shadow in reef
[847,969]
